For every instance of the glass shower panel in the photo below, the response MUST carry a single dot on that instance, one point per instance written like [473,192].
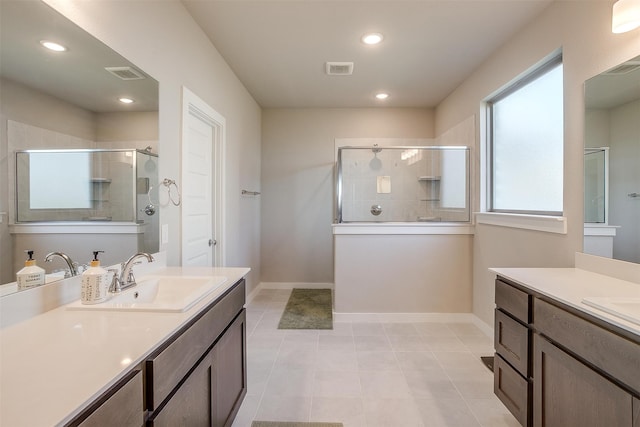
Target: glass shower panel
[595,185]
[80,185]
[403,184]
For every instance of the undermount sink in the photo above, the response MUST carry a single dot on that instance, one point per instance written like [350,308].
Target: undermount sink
[624,308]
[160,294]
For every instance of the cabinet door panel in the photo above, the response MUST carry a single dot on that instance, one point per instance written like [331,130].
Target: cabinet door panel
[191,405]
[230,372]
[636,412]
[512,342]
[122,408]
[512,389]
[568,393]
[513,301]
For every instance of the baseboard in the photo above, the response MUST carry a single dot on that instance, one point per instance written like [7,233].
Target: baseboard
[287,286]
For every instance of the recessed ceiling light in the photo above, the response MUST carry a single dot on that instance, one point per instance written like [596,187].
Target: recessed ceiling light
[382,95]
[372,38]
[57,47]
[126,100]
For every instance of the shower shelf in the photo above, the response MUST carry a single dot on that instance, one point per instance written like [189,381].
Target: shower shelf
[429,200]
[428,178]
[101,180]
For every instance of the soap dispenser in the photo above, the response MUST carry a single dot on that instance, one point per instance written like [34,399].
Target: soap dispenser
[31,275]
[95,282]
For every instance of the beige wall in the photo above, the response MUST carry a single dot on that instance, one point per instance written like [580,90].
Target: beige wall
[161,38]
[298,184]
[583,30]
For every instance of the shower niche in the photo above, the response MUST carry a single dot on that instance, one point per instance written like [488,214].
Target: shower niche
[402,184]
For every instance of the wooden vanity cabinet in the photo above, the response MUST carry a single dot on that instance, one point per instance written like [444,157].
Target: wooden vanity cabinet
[199,377]
[583,371]
[512,341]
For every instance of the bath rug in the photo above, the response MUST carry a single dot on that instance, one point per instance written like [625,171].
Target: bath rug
[292,424]
[488,362]
[308,309]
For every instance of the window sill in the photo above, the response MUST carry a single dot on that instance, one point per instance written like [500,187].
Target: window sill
[548,224]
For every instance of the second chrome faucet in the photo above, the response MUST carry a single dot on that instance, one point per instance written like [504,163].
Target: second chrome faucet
[126,279]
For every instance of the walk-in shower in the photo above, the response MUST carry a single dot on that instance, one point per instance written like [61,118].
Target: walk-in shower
[402,184]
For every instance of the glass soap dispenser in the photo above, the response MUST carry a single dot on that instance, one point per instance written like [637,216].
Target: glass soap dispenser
[31,275]
[95,282]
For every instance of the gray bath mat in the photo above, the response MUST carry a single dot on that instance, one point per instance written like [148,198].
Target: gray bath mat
[292,424]
[308,309]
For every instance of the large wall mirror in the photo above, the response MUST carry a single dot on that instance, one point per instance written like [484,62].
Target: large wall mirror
[77,165]
[612,163]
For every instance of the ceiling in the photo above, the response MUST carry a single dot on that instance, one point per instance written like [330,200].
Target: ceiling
[76,76]
[278,48]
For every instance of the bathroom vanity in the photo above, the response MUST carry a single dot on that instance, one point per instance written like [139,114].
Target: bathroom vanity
[559,361]
[95,367]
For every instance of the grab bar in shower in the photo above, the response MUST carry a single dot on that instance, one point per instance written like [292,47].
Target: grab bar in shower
[633,195]
[250,193]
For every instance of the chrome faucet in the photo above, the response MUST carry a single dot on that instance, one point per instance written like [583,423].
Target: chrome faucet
[72,265]
[126,279]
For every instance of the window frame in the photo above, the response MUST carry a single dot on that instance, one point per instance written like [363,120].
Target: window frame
[538,72]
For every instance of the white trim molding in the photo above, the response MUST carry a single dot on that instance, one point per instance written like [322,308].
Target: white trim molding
[400,228]
[548,224]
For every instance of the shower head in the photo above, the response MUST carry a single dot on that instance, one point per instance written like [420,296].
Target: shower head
[376,149]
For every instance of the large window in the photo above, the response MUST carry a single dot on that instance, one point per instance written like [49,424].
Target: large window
[526,143]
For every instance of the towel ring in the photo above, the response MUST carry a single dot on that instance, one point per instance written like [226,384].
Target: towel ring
[175,199]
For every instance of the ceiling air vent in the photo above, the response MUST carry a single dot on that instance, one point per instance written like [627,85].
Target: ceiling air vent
[125,73]
[339,68]
[624,68]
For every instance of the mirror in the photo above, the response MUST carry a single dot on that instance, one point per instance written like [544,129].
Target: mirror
[612,163]
[69,102]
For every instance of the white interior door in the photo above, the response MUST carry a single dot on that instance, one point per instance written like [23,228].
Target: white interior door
[203,140]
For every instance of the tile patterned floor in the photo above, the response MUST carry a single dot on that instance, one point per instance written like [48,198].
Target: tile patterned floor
[367,374]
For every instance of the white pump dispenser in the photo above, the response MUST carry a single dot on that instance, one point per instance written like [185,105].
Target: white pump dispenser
[95,283]
[31,275]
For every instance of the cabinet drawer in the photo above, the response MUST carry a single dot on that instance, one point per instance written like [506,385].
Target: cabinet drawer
[514,301]
[613,354]
[168,367]
[121,406]
[511,340]
[512,389]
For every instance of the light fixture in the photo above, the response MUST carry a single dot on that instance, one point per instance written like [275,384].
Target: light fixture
[125,100]
[626,16]
[372,38]
[382,95]
[57,47]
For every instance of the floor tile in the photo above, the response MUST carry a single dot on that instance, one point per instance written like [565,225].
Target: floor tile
[372,343]
[347,410]
[337,384]
[392,413]
[387,384]
[377,361]
[492,413]
[284,408]
[367,374]
[448,412]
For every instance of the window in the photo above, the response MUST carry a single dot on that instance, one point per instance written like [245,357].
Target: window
[526,144]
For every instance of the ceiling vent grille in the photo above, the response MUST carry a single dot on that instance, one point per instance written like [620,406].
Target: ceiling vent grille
[125,73]
[339,68]
[624,68]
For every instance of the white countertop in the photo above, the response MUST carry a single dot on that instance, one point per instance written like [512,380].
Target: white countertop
[571,285]
[54,364]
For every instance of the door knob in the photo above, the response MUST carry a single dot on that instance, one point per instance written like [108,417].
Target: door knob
[212,242]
